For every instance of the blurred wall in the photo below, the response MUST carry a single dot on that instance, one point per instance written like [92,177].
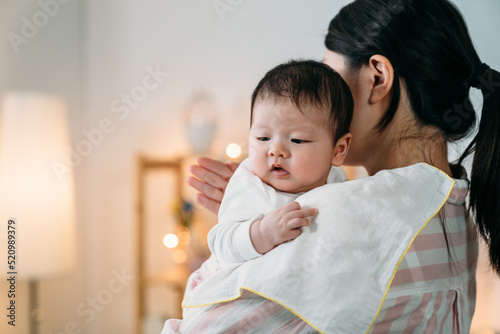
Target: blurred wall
[41,52]
[97,53]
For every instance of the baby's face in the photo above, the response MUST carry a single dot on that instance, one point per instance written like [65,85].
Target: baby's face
[289,150]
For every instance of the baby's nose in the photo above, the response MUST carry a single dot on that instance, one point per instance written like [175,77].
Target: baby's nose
[279,150]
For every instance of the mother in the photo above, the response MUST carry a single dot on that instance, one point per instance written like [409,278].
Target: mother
[410,65]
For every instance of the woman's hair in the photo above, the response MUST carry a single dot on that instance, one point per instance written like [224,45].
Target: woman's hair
[308,83]
[429,47]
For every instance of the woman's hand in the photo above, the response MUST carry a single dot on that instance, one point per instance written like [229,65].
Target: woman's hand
[210,179]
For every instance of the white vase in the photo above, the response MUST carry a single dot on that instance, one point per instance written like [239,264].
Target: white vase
[200,123]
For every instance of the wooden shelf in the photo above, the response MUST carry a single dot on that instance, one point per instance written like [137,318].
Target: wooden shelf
[174,277]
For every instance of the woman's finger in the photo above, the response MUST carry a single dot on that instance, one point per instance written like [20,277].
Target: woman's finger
[208,177]
[205,189]
[207,203]
[216,167]
[232,165]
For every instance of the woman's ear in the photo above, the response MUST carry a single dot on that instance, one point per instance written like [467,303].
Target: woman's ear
[381,76]
[341,149]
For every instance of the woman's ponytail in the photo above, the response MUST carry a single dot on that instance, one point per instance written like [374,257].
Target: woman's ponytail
[485,176]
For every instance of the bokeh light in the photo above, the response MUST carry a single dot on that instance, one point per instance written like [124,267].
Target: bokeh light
[184,235]
[233,151]
[179,256]
[170,240]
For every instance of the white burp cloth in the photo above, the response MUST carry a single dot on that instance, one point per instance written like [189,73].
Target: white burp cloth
[336,274]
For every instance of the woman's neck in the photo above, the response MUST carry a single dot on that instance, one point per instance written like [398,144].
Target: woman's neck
[405,143]
[406,154]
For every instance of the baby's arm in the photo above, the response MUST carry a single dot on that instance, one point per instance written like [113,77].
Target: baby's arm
[243,209]
[278,226]
[230,242]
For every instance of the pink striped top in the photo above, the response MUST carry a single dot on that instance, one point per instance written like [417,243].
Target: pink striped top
[433,290]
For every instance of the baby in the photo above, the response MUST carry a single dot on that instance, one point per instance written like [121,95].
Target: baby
[299,136]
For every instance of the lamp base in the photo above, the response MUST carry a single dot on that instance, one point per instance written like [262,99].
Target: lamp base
[35,313]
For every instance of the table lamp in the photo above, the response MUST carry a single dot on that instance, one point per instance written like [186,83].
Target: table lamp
[34,140]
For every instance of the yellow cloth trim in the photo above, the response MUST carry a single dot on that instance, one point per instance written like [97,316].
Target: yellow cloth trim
[263,296]
[217,302]
[442,173]
[289,309]
[411,242]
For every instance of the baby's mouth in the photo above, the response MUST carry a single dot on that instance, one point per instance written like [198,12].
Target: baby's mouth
[279,171]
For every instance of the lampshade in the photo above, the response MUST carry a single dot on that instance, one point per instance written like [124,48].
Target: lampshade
[34,136]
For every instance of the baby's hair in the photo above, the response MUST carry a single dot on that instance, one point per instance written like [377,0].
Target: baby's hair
[308,83]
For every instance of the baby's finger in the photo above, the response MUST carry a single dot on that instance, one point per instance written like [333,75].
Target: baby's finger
[308,212]
[294,233]
[292,206]
[297,222]
[302,213]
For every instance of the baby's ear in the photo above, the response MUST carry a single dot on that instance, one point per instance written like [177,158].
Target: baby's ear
[341,149]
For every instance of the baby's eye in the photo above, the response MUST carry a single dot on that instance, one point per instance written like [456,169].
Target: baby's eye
[299,141]
[263,138]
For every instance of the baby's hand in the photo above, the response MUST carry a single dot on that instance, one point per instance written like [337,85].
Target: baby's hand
[280,225]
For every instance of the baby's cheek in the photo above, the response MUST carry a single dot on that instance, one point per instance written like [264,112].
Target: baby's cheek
[255,162]
[314,170]
[251,151]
